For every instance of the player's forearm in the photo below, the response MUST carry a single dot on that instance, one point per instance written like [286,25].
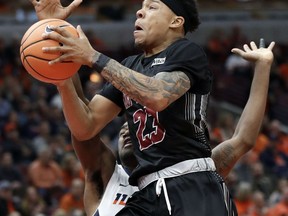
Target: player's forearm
[251,119]
[76,112]
[79,89]
[154,92]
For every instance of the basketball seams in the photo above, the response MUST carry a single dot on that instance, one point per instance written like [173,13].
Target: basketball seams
[41,75]
[43,59]
[23,49]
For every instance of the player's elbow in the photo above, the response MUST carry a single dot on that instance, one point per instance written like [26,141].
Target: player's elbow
[157,104]
[248,143]
[83,135]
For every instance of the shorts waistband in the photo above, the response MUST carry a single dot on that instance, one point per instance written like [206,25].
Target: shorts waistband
[181,168]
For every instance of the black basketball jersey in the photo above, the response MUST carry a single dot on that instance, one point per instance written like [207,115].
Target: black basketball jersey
[180,131]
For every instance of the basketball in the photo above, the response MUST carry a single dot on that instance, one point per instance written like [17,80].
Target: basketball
[35,61]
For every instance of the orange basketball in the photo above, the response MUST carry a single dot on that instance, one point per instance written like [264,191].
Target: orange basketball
[35,61]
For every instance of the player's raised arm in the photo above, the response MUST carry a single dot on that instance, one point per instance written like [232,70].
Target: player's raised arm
[228,152]
[46,9]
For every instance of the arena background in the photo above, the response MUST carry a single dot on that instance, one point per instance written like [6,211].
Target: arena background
[32,124]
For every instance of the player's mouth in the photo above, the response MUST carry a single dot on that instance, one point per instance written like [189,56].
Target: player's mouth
[138,28]
[127,143]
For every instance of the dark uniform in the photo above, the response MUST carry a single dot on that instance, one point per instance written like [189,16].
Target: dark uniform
[175,134]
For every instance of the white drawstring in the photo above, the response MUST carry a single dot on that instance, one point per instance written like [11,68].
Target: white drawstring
[161,183]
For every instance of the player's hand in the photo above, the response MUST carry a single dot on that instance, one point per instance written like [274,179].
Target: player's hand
[46,9]
[75,49]
[254,54]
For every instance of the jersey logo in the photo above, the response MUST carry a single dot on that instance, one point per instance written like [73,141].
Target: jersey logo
[120,199]
[158,61]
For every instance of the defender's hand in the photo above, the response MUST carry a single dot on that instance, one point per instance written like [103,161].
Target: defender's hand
[46,9]
[254,54]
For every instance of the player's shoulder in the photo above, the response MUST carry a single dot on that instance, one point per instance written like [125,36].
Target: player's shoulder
[187,45]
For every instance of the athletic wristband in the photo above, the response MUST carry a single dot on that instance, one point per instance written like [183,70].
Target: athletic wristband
[100,63]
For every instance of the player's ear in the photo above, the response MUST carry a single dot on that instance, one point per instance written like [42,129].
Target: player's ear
[177,22]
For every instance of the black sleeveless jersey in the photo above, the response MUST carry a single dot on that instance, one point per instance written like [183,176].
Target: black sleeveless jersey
[180,131]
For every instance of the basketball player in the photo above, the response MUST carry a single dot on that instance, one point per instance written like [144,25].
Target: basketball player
[164,93]
[106,185]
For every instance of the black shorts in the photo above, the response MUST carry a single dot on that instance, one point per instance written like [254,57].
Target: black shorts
[194,194]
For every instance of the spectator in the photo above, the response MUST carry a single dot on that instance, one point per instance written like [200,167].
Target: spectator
[46,175]
[261,181]
[14,144]
[243,198]
[225,127]
[71,169]
[32,204]
[8,171]
[59,212]
[6,198]
[276,195]
[40,142]
[73,199]
[258,207]
[280,209]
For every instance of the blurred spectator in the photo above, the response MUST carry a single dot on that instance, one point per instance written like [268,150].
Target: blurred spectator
[276,195]
[224,128]
[40,142]
[275,156]
[215,48]
[5,108]
[261,181]
[259,206]
[281,208]
[15,145]
[46,175]
[11,122]
[71,169]
[30,128]
[73,200]
[262,140]
[6,198]
[32,203]
[15,213]
[232,182]
[236,38]
[243,198]
[244,167]
[10,172]
[58,146]
[59,212]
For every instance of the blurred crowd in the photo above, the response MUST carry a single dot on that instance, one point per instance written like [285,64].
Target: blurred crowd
[39,171]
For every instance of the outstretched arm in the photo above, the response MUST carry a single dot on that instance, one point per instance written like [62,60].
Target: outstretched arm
[46,9]
[227,153]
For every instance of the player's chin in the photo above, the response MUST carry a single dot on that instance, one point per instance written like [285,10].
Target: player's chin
[138,43]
